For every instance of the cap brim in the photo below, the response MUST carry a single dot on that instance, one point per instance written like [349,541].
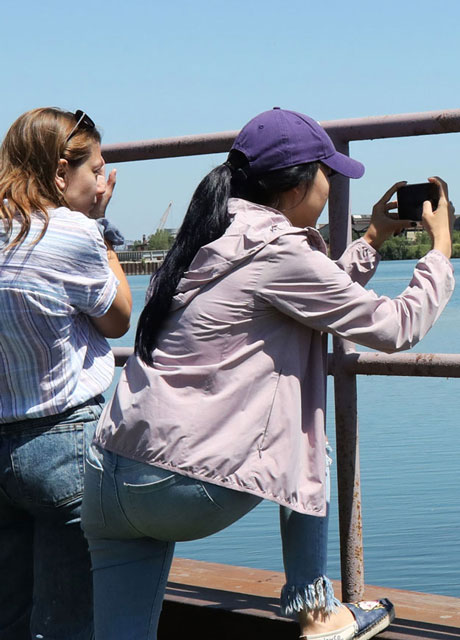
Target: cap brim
[344,165]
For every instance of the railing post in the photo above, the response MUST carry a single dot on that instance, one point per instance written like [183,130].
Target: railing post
[348,478]
[346,415]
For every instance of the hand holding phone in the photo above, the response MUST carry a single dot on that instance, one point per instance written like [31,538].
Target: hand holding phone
[412,196]
[384,221]
[439,222]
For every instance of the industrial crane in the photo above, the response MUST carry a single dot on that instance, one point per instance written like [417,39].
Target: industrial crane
[164,217]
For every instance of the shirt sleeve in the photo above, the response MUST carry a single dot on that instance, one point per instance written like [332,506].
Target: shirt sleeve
[305,284]
[89,282]
[360,261]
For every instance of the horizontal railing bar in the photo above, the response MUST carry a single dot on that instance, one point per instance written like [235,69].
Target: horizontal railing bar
[395,126]
[121,355]
[169,147]
[390,126]
[431,365]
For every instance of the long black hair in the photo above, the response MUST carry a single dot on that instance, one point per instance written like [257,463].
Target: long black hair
[206,219]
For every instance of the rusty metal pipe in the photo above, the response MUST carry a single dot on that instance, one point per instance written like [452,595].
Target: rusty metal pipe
[430,365]
[395,126]
[391,126]
[348,478]
[121,354]
[434,365]
[346,415]
[339,219]
[169,147]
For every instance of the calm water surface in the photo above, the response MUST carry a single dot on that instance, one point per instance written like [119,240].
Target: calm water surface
[410,474]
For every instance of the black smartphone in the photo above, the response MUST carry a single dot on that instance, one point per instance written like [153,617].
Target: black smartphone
[411,199]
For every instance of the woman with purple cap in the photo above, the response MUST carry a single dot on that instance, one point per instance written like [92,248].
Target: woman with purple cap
[223,402]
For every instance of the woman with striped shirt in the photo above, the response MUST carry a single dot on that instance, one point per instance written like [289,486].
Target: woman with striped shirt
[62,293]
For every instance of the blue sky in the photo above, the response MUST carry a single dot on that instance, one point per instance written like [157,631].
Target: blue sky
[147,69]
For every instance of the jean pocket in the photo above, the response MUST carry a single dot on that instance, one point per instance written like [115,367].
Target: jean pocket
[49,465]
[169,507]
[208,490]
[150,487]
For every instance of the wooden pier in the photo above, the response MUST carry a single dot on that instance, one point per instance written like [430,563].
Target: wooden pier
[207,601]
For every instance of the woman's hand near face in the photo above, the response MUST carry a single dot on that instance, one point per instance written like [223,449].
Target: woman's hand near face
[104,195]
[383,224]
[439,223]
[115,323]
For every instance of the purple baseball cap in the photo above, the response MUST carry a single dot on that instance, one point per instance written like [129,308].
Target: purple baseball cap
[278,138]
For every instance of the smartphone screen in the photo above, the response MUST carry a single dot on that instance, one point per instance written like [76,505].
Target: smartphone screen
[411,199]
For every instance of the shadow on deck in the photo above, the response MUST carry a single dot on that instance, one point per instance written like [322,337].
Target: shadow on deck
[213,601]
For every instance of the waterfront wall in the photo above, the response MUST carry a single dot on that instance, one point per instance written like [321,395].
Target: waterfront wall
[141,268]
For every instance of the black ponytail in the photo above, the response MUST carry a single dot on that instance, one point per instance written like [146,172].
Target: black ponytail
[265,188]
[206,220]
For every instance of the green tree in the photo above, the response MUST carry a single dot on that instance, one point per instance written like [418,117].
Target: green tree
[422,238]
[399,248]
[394,248]
[160,240]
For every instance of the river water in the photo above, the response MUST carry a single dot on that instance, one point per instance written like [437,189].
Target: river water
[410,472]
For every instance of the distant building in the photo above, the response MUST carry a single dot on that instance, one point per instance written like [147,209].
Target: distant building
[360,224]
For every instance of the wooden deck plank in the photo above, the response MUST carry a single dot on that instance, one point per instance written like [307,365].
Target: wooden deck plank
[255,593]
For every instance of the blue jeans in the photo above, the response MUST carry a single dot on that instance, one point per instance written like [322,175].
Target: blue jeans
[45,585]
[133,513]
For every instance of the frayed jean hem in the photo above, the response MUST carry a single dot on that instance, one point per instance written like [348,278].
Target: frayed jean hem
[318,596]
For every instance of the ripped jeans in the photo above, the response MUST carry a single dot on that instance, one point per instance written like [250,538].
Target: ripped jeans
[132,515]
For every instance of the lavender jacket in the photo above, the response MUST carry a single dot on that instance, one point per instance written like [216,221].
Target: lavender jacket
[237,395]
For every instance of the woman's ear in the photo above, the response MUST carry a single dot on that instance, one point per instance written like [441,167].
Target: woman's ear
[61,175]
[291,198]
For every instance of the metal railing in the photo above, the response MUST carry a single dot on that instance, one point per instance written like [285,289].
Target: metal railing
[345,363]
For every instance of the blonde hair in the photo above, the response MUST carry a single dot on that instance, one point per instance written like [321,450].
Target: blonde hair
[29,158]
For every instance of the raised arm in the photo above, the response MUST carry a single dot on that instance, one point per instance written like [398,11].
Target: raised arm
[309,287]
[439,224]
[115,323]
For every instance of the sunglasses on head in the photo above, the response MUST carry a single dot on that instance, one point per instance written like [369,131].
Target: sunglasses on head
[83,120]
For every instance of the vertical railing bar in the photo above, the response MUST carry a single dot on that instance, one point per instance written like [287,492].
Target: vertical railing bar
[339,206]
[346,414]
[348,478]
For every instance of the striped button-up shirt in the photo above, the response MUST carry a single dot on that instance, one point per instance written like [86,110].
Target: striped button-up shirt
[52,358]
